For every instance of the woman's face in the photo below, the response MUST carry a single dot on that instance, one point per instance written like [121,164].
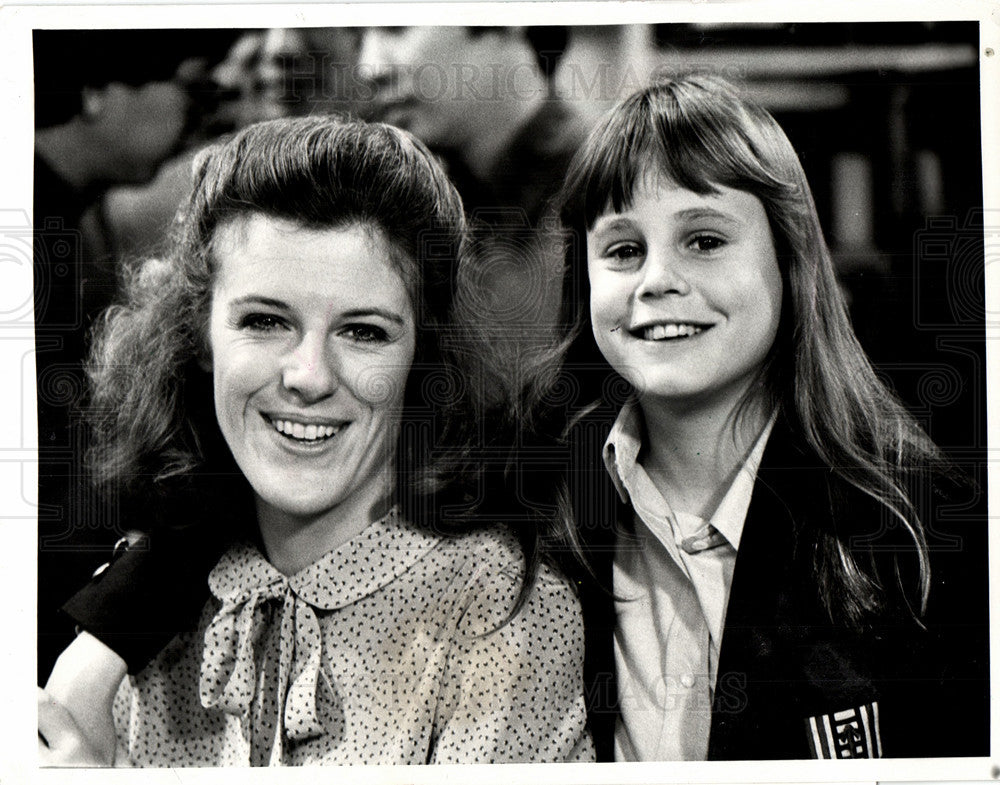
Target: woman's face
[685,291]
[312,336]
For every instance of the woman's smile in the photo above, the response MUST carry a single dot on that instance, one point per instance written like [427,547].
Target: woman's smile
[312,337]
[304,430]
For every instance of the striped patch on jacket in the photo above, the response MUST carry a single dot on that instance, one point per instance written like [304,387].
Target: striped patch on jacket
[851,733]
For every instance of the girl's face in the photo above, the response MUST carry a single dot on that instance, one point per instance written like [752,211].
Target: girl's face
[312,336]
[685,292]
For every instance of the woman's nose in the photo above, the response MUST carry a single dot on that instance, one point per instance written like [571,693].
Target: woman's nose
[662,274]
[309,370]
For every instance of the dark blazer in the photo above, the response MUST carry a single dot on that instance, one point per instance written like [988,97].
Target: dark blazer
[782,660]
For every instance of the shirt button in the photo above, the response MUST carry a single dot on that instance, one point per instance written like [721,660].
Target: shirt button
[687,680]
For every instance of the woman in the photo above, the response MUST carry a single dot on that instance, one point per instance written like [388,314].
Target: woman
[373,614]
[778,582]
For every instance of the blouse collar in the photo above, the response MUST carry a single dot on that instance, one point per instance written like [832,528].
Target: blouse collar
[374,558]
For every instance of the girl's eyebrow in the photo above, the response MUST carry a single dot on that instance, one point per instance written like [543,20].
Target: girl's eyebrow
[697,213]
[608,224]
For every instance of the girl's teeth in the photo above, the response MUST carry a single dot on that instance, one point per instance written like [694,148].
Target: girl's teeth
[659,332]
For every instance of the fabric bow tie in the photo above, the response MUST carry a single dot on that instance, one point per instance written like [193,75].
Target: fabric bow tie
[228,669]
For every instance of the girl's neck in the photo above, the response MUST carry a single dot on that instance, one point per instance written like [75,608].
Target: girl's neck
[692,453]
[293,542]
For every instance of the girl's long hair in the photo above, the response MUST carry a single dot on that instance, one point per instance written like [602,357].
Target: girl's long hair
[700,133]
[156,438]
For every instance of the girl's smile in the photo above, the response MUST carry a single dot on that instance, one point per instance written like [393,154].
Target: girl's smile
[685,291]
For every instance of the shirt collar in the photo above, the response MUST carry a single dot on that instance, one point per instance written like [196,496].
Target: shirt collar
[621,453]
[622,447]
[375,557]
[731,514]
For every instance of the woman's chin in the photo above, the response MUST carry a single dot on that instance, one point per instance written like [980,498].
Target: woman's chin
[292,500]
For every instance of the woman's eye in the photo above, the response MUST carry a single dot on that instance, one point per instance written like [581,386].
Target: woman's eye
[706,243]
[366,333]
[261,322]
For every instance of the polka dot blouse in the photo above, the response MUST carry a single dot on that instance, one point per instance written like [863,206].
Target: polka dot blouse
[388,649]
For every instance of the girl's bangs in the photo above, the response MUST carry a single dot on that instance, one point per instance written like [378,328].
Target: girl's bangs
[698,147]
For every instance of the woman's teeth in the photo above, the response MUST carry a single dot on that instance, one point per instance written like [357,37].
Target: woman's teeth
[659,332]
[303,432]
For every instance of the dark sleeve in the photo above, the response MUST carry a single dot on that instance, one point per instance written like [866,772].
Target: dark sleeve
[150,592]
[958,628]
[941,688]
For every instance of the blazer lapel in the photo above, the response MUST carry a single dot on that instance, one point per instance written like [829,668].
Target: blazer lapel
[597,511]
[782,661]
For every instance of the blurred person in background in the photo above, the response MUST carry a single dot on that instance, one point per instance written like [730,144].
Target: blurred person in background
[266,74]
[110,107]
[483,98]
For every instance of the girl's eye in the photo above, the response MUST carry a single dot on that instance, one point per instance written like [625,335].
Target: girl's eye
[623,251]
[261,322]
[706,243]
[366,333]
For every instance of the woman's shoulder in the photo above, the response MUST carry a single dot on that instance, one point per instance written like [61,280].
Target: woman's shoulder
[495,551]
[492,571]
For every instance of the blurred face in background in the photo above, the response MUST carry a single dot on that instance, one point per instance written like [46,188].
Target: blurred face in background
[427,79]
[285,72]
[242,83]
[141,125]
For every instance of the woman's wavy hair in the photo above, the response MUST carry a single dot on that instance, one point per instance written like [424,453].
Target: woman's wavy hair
[154,424]
[700,133]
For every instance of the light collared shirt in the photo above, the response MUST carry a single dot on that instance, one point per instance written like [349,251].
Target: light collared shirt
[672,575]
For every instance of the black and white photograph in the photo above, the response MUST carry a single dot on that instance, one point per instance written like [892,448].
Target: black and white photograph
[594,385]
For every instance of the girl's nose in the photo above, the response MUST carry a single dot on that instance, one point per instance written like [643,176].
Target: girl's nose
[662,274]
[309,370]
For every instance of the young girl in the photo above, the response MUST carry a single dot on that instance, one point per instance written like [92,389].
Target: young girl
[776,582]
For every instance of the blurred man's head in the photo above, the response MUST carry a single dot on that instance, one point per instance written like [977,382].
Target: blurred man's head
[453,86]
[127,95]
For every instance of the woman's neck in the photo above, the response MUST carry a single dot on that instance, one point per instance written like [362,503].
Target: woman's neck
[293,542]
[691,453]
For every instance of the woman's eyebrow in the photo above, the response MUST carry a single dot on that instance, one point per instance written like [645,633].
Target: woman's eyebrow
[255,299]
